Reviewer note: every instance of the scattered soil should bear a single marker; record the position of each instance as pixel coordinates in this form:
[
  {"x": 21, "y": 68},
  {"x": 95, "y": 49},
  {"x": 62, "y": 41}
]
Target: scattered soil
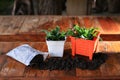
[{"x": 68, "y": 62}]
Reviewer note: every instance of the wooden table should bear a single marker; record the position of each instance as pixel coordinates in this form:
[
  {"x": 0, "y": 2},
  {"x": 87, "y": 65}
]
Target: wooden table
[{"x": 18, "y": 30}]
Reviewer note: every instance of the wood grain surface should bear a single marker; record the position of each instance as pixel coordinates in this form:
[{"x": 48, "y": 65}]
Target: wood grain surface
[{"x": 18, "y": 30}]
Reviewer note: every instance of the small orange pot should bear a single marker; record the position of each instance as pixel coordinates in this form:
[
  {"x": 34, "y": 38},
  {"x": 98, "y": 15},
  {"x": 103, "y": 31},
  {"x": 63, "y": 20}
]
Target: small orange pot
[{"x": 84, "y": 47}]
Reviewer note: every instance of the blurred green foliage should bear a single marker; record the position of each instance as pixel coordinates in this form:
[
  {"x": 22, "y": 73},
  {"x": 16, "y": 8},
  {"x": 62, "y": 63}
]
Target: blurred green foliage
[{"x": 6, "y": 7}]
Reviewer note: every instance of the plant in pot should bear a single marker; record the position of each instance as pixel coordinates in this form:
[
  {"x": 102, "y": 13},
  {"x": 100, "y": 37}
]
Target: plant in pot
[
  {"x": 55, "y": 40},
  {"x": 83, "y": 40}
]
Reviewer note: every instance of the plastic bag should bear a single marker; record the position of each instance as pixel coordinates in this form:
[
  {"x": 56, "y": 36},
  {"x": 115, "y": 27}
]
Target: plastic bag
[{"x": 25, "y": 54}]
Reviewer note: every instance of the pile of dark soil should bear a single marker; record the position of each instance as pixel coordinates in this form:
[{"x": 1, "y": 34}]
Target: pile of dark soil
[{"x": 68, "y": 62}]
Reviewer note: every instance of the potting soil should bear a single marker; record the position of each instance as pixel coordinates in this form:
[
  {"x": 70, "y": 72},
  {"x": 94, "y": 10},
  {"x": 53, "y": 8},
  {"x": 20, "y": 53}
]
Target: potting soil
[{"x": 68, "y": 62}]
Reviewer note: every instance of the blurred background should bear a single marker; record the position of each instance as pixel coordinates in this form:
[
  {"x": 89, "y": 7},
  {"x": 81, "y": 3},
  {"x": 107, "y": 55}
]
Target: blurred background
[{"x": 60, "y": 7}]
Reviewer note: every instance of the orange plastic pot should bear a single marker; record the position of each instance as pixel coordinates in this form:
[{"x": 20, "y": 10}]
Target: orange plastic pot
[{"x": 84, "y": 47}]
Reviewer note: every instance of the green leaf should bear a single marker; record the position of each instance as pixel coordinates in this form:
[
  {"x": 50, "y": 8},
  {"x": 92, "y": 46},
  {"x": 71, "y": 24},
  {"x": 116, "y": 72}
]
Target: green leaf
[
  {"x": 82, "y": 32},
  {"x": 55, "y": 34}
]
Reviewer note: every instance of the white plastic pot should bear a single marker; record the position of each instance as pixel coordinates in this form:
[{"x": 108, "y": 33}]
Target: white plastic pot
[{"x": 55, "y": 48}]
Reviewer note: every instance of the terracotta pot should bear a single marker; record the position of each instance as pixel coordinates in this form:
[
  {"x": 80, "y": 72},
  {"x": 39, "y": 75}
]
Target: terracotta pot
[{"x": 84, "y": 47}]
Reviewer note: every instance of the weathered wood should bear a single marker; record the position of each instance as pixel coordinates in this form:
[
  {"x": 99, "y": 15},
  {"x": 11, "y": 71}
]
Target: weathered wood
[
  {"x": 110, "y": 37},
  {"x": 24, "y": 24},
  {"x": 103, "y": 46},
  {"x": 108, "y": 25},
  {"x": 5, "y": 24},
  {"x": 108, "y": 70},
  {"x": 35, "y": 37},
  {"x": 27, "y": 28},
  {"x": 97, "y": 24},
  {"x": 108, "y": 47},
  {"x": 15, "y": 24},
  {"x": 11, "y": 68},
  {"x": 62, "y": 73},
  {"x": 88, "y": 73},
  {"x": 2, "y": 61},
  {"x": 43, "y": 73},
  {"x": 28, "y": 32},
  {"x": 1, "y": 19},
  {"x": 116, "y": 21},
  {"x": 88, "y": 21},
  {"x": 30, "y": 23}
]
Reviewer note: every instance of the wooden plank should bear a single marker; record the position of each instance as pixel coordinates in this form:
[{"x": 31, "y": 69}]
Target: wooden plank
[
  {"x": 48, "y": 22},
  {"x": 12, "y": 68},
  {"x": 33, "y": 23},
  {"x": 88, "y": 73},
  {"x": 29, "y": 72},
  {"x": 103, "y": 46},
  {"x": 110, "y": 37},
  {"x": 34, "y": 37},
  {"x": 109, "y": 46},
  {"x": 75, "y": 20},
  {"x": 59, "y": 78},
  {"x": 10, "y": 24},
  {"x": 63, "y": 22},
  {"x": 115, "y": 47},
  {"x": 116, "y": 21},
  {"x": 2, "y": 61},
  {"x": 88, "y": 22},
  {"x": 116, "y": 65},
  {"x": 26, "y": 78},
  {"x": 6, "y": 47},
  {"x": 17, "y": 69},
  {"x": 81, "y": 21},
  {"x": 1, "y": 19},
  {"x": 25, "y": 37},
  {"x": 30, "y": 24},
  {"x": 16, "y": 23},
  {"x": 43, "y": 73},
  {"x": 61, "y": 73},
  {"x": 109, "y": 27},
  {"x": 38, "y": 45},
  {"x": 113, "y": 25},
  {"x": 108, "y": 69},
  {"x": 96, "y": 24},
  {"x": 5, "y": 24},
  {"x": 7, "y": 66},
  {"x": 1, "y": 48},
  {"x": 44, "y": 48},
  {"x": 92, "y": 22}
]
